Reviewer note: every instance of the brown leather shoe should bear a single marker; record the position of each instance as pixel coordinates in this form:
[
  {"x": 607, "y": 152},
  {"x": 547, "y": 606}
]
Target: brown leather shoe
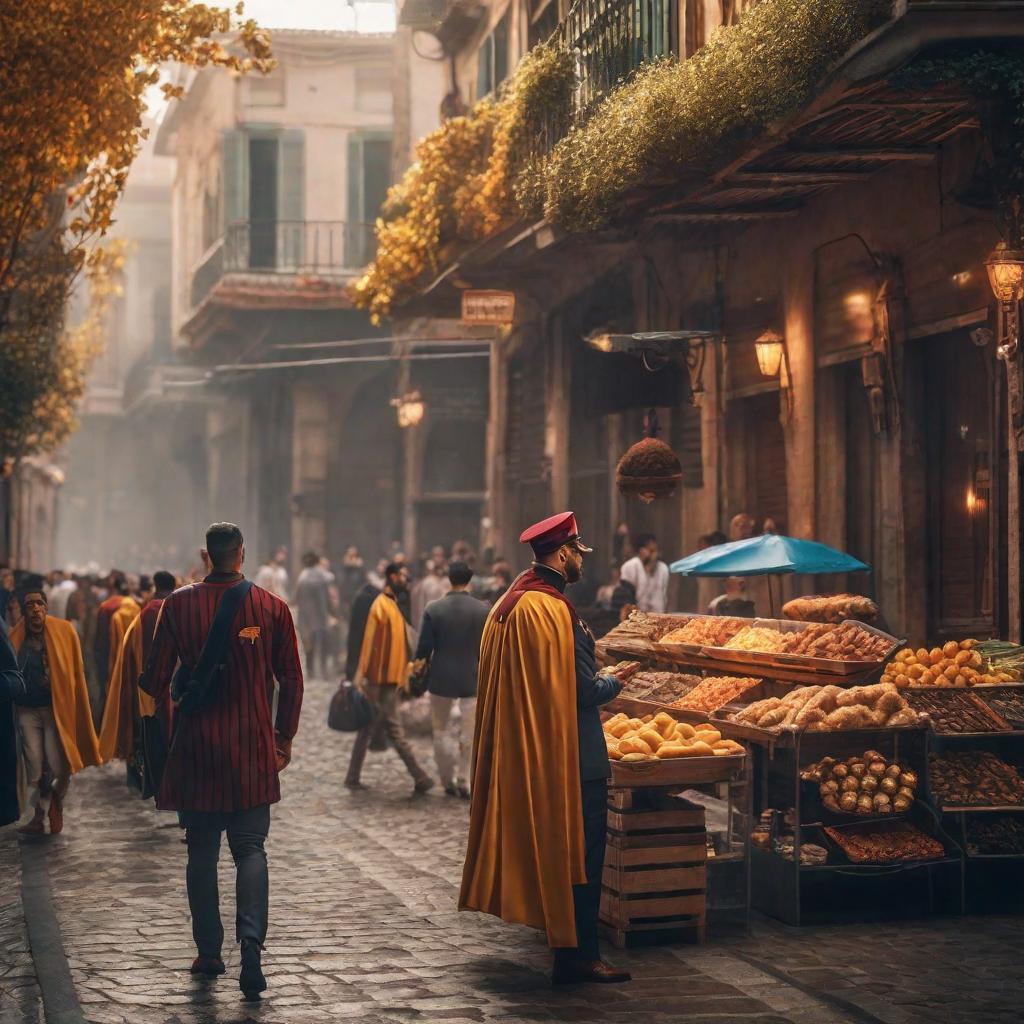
[
  {"x": 581, "y": 972},
  {"x": 208, "y": 965},
  {"x": 35, "y": 826},
  {"x": 56, "y": 815}
]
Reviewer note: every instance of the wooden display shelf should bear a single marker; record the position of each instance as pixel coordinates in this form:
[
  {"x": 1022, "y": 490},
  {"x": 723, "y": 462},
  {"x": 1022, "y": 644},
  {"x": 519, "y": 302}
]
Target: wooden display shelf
[{"x": 676, "y": 771}]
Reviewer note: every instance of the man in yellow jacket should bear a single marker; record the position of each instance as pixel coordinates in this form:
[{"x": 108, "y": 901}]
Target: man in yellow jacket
[
  {"x": 383, "y": 670},
  {"x": 54, "y": 716}
]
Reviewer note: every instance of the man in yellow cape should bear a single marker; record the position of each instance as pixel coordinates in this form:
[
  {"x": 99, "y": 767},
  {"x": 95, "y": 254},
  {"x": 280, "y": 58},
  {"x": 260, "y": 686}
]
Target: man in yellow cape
[
  {"x": 113, "y": 617},
  {"x": 538, "y": 817},
  {"x": 126, "y": 703},
  {"x": 54, "y": 716},
  {"x": 383, "y": 671}
]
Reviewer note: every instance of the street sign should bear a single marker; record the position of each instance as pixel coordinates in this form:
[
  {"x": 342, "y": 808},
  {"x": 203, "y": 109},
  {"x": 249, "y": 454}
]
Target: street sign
[{"x": 488, "y": 307}]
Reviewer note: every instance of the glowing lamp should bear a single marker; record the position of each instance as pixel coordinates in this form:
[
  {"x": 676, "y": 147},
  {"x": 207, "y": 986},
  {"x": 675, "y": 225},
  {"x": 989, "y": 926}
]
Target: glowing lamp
[
  {"x": 410, "y": 409},
  {"x": 769, "y": 349},
  {"x": 1006, "y": 273}
]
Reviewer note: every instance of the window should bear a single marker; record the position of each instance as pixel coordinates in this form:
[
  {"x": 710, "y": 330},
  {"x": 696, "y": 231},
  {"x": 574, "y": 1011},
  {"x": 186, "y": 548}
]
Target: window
[
  {"x": 492, "y": 59},
  {"x": 265, "y": 90},
  {"x": 373, "y": 90}
]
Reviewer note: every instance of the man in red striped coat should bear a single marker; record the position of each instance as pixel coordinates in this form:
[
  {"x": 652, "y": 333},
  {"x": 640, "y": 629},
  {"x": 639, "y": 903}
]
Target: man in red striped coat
[{"x": 224, "y": 759}]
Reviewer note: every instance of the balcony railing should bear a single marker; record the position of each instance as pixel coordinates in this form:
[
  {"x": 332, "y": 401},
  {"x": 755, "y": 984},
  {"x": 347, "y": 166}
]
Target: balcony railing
[
  {"x": 610, "y": 39},
  {"x": 301, "y": 248}
]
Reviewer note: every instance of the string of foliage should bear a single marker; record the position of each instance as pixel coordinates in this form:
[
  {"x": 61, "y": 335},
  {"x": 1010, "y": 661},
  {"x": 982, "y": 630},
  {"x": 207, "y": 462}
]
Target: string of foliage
[
  {"x": 462, "y": 185},
  {"x": 670, "y": 118}
]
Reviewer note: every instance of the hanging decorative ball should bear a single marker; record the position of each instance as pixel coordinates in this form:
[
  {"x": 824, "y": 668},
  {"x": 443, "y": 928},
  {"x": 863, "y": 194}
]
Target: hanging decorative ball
[{"x": 649, "y": 470}]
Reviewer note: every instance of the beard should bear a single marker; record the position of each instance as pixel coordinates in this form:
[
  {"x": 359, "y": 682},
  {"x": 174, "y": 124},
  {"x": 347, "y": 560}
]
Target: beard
[{"x": 574, "y": 571}]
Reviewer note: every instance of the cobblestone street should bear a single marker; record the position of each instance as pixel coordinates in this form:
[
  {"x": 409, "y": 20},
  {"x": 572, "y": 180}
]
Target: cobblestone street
[{"x": 364, "y": 928}]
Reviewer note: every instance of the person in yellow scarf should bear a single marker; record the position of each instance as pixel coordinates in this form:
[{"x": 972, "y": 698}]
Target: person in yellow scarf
[
  {"x": 54, "y": 716},
  {"x": 384, "y": 670},
  {"x": 538, "y": 817},
  {"x": 126, "y": 703}
]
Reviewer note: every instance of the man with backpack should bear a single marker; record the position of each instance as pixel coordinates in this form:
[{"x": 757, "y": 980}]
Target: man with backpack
[{"x": 232, "y": 639}]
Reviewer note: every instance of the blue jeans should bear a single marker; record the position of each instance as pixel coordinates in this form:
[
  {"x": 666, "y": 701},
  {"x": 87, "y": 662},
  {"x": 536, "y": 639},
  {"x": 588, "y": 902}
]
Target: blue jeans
[{"x": 247, "y": 832}]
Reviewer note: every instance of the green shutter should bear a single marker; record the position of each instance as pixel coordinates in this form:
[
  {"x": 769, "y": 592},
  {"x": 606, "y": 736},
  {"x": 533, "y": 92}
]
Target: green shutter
[
  {"x": 293, "y": 245},
  {"x": 235, "y": 173}
]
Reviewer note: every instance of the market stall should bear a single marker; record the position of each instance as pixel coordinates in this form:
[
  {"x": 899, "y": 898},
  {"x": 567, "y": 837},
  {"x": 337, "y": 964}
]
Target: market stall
[{"x": 881, "y": 774}]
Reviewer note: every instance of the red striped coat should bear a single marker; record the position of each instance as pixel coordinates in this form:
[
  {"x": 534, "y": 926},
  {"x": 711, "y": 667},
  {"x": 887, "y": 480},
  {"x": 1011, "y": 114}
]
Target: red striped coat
[{"x": 223, "y": 757}]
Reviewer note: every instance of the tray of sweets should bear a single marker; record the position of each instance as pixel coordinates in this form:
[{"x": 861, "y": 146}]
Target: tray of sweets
[
  {"x": 1007, "y": 704},
  {"x": 884, "y": 842},
  {"x": 1000, "y": 835},
  {"x": 955, "y": 712},
  {"x": 698, "y": 632},
  {"x": 783, "y": 636},
  {"x": 974, "y": 780}
]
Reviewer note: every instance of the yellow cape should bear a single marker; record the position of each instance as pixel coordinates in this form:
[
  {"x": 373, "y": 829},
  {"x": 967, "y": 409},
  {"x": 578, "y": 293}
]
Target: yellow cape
[
  {"x": 384, "y": 656},
  {"x": 119, "y": 623},
  {"x": 71, "y": 709},
  {"x": 117, "y": 733},
  {"x": 525, "y": 850}
]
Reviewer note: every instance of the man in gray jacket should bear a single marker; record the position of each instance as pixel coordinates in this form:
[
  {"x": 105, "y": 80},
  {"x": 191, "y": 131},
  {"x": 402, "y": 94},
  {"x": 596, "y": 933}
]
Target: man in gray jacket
[{"x": 450, "y": 639}]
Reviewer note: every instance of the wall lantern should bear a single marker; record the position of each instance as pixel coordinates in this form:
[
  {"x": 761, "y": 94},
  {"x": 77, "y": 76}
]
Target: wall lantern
[
  {"x": 410, "y": 408},
  {"x": 770, "y": 348},
  {"x": 1005, "y": 268}
]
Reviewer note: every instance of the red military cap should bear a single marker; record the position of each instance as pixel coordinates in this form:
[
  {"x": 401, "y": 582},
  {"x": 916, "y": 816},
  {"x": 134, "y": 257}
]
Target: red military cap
[{"x": 550, "y": 534}]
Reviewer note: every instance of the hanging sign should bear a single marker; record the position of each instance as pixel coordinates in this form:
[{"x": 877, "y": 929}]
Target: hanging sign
[{"x": 488, "y": 307}]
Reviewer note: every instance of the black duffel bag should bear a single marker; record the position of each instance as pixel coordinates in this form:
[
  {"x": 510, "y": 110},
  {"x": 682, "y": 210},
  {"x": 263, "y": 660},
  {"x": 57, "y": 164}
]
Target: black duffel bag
[{"x": 349, "y": 710}]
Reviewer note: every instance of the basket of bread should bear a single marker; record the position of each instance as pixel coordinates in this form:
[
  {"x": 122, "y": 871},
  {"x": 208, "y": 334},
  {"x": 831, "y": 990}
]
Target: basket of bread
[
  {"x": 831, "y": 709},
  {"x": 656, "y": 746}
]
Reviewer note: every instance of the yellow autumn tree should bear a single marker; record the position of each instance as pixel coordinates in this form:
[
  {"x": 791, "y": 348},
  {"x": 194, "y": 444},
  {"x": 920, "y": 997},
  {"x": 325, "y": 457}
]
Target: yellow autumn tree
[{"x": 73, "y": 79}]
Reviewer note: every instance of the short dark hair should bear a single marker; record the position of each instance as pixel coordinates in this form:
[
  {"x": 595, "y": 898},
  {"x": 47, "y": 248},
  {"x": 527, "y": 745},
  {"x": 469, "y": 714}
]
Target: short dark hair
[
  {"x": 713, "y": 539},
  {"x": 118, "y": 581},
  {"x": 394, "y": 568},
  {"x": 164, "y": 581},
  {"x": 145, "y": 583},
  {"x": 459, "y": 574},
  {"x": 310, "y": 558},
  {"x": 643, "y": 539},
  {"x": 223, "y": 542},
  {"x": 28, "y": 590}
]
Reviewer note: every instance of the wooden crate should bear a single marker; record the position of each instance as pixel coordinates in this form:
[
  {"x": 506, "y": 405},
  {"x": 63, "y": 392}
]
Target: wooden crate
[{"x": 654, "y": 886}]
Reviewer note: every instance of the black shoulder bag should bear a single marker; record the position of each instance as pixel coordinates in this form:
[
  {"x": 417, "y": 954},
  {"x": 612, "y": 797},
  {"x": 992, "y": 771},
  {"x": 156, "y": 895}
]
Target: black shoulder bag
[
  {"x": 190, "y": 689},
  {"x": 193, "y": 688}
]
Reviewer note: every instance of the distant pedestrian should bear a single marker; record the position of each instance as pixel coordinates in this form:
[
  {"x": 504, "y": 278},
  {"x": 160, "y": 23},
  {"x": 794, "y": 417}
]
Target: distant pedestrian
[
  {"x": 54, "y": 717},
  {"x": 272, "y": 575},
  {"x": 383, "y": 670},
  {"x": 432, "y": 587},
  {"x": 450, "y": 643},
  {"x": 648, "y": 575},
  {"x": 312, "y": 601},
  {"x": 227, "y": 752}
]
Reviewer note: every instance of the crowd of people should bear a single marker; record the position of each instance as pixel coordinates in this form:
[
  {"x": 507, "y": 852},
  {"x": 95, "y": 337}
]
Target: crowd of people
[{"x": 170, "y": 674}]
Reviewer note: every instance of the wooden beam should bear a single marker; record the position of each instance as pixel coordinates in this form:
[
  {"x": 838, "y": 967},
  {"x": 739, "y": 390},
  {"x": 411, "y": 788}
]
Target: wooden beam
[
  {"x": 865, "y": 152},
  {"x": 696, "y": 216},
  {"x": 788, "y": 178}
]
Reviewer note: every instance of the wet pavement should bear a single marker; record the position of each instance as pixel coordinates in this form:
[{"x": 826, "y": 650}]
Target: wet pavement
[{"x": 364, "y": 928}]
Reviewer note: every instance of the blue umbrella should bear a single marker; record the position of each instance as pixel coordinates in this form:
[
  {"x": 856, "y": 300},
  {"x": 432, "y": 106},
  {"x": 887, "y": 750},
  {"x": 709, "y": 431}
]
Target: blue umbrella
[{"x": 766, "y": 555}]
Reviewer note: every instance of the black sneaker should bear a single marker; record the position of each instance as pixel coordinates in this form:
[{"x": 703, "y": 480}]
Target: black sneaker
[
  {"x": 451, "y": 790},
  {"x": 464, "y": 792},
  {"x": 251, "y": 980}
]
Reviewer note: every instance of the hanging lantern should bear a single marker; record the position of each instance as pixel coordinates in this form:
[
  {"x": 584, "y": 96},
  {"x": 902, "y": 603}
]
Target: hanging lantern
[
  {"x": 410, "y": 409},
  {"x": 769, "y": 349},
  {"x": 649, "y": 470},
  {"x": 1006, "y": 273}
]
